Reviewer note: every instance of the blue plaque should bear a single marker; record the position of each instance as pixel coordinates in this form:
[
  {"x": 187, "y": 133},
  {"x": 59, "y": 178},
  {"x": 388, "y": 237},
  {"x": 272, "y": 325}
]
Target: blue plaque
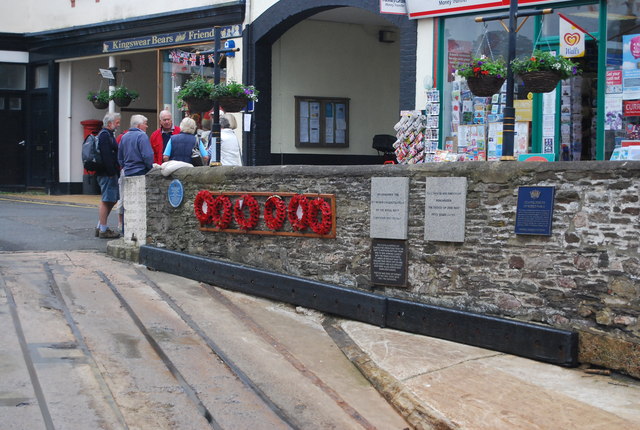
[
  {"x": 534, "y": 213},
  {"x": 175, "y": 193}
]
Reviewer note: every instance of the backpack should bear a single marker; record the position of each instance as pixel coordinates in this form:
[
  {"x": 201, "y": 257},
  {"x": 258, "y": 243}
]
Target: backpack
[{"x": 91, "y": 157}]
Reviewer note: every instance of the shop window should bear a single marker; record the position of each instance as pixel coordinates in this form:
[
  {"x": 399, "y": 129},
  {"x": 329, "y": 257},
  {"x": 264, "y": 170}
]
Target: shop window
[
  {"x": 178, "y": 64},
  {"x": 13, "y": 77},
  {"x": 474, "y": 123},
  {"x": 322, "y": 122},
  {"x": 41, "y": 77},
  {"x": 562, "y": 122},
  {"x": 622, "y": 94}
]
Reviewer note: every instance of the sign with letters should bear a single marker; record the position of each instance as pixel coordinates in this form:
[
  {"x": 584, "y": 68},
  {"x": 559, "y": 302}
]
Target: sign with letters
[
  {"x": 169, "y": 39},
  {"x": 429, "y": 8},
  {"x": 534, "y": 213}
]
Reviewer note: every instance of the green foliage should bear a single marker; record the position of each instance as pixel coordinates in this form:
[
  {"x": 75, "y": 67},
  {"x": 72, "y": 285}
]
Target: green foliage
[
  {"x": 98, "y": 96},
  {"x": 483, "y": 66},
  {"x": 541, "y": 60},
  {"x": 234, "y": 89},
  {"x": 124, "y": 93},
  {"x": 197, "y": 87}
]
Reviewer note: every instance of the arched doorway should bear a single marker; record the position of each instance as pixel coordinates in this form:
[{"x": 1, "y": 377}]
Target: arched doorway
[{"x": 332, "y": 49}]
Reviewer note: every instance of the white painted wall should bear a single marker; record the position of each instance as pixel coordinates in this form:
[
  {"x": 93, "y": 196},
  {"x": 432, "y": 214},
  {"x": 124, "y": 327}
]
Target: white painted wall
[
  {"x": 327, "y": 59},
  {"x": 41, "y": 15},
  {"x": 425, "y": 57},
  {"x": 79, "y": 77}
]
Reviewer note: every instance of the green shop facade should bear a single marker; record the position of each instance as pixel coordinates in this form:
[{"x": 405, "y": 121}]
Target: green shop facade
[{"x": 585, "y": 118}]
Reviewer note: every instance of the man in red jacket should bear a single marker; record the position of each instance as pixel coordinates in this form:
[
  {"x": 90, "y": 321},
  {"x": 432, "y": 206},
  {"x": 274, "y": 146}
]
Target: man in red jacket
[{"x": 161, "y": 136}]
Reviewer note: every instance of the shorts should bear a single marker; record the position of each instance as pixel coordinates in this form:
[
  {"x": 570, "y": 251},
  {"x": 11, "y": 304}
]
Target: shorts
[{"x": 109, "y": 188}]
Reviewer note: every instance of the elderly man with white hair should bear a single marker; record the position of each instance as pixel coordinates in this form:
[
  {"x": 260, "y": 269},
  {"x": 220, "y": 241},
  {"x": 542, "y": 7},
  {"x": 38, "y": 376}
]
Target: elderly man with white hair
[{"x": 135, "y": 154}]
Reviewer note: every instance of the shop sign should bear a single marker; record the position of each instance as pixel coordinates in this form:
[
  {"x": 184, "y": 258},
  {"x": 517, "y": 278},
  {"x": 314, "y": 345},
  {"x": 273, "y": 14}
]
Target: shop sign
[
  {"x": 395, "y": 7},
  {"x": 631, "y": 107},
  {"x": 168, "y": 39},
  {"x": 571, "y": 39},
  {"x": 429, "y": 8}
]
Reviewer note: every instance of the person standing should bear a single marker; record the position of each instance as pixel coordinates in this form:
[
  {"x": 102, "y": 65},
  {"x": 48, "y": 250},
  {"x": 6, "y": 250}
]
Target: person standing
[
  {"x": 135, "y": 154},
  {"x": 230, "y": 152},
  {"x": 161, "y": 136},
  {"x": 180, "y": 146},
  {"x": 107, "y": 174}
]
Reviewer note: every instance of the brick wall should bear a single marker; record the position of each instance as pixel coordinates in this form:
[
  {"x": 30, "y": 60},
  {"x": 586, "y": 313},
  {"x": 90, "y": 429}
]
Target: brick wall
[{"x": 584, "y": 277}]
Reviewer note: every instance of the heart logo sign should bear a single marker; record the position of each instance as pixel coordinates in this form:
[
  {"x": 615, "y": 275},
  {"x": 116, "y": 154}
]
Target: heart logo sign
[{"x": 572, "y": 38}]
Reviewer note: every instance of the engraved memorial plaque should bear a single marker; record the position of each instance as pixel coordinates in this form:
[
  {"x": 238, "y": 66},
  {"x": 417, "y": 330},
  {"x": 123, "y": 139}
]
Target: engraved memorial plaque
[
  {"x": 135, "y": 209},
  {"x": 389, "y": 262},
  {"x": 445, "y": 208},
  {"x": 389, "y": 208}
]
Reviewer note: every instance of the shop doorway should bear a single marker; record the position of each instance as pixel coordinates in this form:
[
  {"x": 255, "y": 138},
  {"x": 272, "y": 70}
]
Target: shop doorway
[
  {"x": 13, "y": 173},
  {"x": 40, "y": 142}
]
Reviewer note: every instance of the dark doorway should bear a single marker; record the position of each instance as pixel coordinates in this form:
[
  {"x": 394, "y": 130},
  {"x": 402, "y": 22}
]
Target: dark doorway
[
  {"x": 13, "y": 145},
  {"x": 40, "y": 142}
]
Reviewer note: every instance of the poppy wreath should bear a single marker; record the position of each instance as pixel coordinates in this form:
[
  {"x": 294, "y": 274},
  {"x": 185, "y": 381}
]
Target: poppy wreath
[
  {"x": 274, "y": 221},
  {"x": 254, "y": 212},
  {"x": 298, "y": 200},
  {"x": 203, "y": 198},
  {"x": 221, "y": 220},
  {"x": 316, "y": 206}
]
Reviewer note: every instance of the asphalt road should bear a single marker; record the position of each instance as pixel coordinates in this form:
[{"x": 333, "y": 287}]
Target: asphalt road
[{"x": 48, "y": 226}]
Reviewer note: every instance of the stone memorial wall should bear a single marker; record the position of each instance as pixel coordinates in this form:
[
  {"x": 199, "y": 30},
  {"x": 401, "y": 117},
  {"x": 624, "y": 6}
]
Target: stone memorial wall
[{"x": 585, "y": 276}]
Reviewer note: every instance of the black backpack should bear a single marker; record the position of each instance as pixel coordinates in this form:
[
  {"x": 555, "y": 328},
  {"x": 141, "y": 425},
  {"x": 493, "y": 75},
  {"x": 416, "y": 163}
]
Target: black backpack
[{"x": 91, "y": 157}]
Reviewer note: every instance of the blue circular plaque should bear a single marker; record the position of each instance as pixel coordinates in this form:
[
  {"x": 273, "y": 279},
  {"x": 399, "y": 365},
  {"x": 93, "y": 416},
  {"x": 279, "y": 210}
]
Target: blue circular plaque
[{"x": 175, "y": 193}]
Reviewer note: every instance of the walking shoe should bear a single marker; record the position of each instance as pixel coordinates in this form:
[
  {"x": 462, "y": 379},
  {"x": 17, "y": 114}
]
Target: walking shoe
[
  {"x": 97, "y": 232},
  {"x": 109, "y": 234}
]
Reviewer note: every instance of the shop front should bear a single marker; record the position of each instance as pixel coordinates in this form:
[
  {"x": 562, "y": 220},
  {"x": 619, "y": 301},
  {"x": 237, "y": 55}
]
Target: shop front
[
  {"x": 45, "y": 92},
  {"x": 583, "y": 117}
]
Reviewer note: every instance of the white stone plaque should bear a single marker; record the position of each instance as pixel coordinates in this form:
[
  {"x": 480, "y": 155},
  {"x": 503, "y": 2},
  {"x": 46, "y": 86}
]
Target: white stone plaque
[
  {"x": 389, "y": 208},
  {"x": 445, "y": 208},
  {"x": 135, "y": 210}
]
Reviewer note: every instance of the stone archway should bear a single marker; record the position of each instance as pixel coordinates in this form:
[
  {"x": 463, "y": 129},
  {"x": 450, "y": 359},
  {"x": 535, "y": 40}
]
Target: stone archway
[{"x": 277, "y": 20}]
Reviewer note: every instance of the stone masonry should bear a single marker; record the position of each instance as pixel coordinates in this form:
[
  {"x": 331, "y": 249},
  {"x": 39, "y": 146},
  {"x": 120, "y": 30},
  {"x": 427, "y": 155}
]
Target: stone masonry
[{"x": 584, "y": 277}]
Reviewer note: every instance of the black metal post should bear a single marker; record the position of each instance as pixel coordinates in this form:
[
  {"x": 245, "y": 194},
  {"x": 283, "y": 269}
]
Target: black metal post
[
  {"x": 215, "y": 126},
  {"x": 509, "y": 121}
]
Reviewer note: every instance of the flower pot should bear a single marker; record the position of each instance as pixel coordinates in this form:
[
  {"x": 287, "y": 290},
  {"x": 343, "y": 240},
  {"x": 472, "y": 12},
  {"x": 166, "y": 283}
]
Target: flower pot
[
  {"x": 485, "y": 86},
  {"x": 122, "y": 101},
  {"x": 198, "y": 105},
  {"x": 100, "y": 104},
  {"x": 542, "y": 81},
  {"x": 232, "y": 104}
]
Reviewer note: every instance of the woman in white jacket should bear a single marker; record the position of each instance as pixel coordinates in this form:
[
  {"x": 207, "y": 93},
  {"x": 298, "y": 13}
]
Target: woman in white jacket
[{"x": 230, "y": 151}]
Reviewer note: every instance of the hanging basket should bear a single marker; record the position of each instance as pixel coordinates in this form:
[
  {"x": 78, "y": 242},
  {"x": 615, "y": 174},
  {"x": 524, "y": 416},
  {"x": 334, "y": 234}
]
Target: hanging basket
[
  {"x": 232, "y": 104},
  {"x": 542, "y": 81},
  {"x": 100, "y": 104},
  {"x": 485, "y": 86},
  {"x": 199, "y": 105},
  {"x": 122, "y": 101}
]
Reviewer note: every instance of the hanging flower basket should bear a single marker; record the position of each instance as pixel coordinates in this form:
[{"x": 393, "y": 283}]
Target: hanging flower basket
[
  {"x": 485, "y": 85},
  {"x": 198, "y": 104},
  {"x": 122, "y": 101},
  {"x": 100, "y": 104},
  {"x": 232, "y": 104},
  {"x": 542, "y": 81}
]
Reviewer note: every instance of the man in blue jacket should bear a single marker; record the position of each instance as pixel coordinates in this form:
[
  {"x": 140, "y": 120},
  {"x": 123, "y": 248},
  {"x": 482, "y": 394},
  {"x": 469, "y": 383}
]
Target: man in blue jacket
[
  {"x": 135, "y": 154},
  {"x": 107, "y": 174}
]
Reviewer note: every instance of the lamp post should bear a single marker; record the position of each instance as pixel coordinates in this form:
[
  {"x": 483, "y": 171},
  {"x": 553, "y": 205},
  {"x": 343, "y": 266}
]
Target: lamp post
[
  {"x": 509, "y": 121},
  {"x": 217, "y": 50}
]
